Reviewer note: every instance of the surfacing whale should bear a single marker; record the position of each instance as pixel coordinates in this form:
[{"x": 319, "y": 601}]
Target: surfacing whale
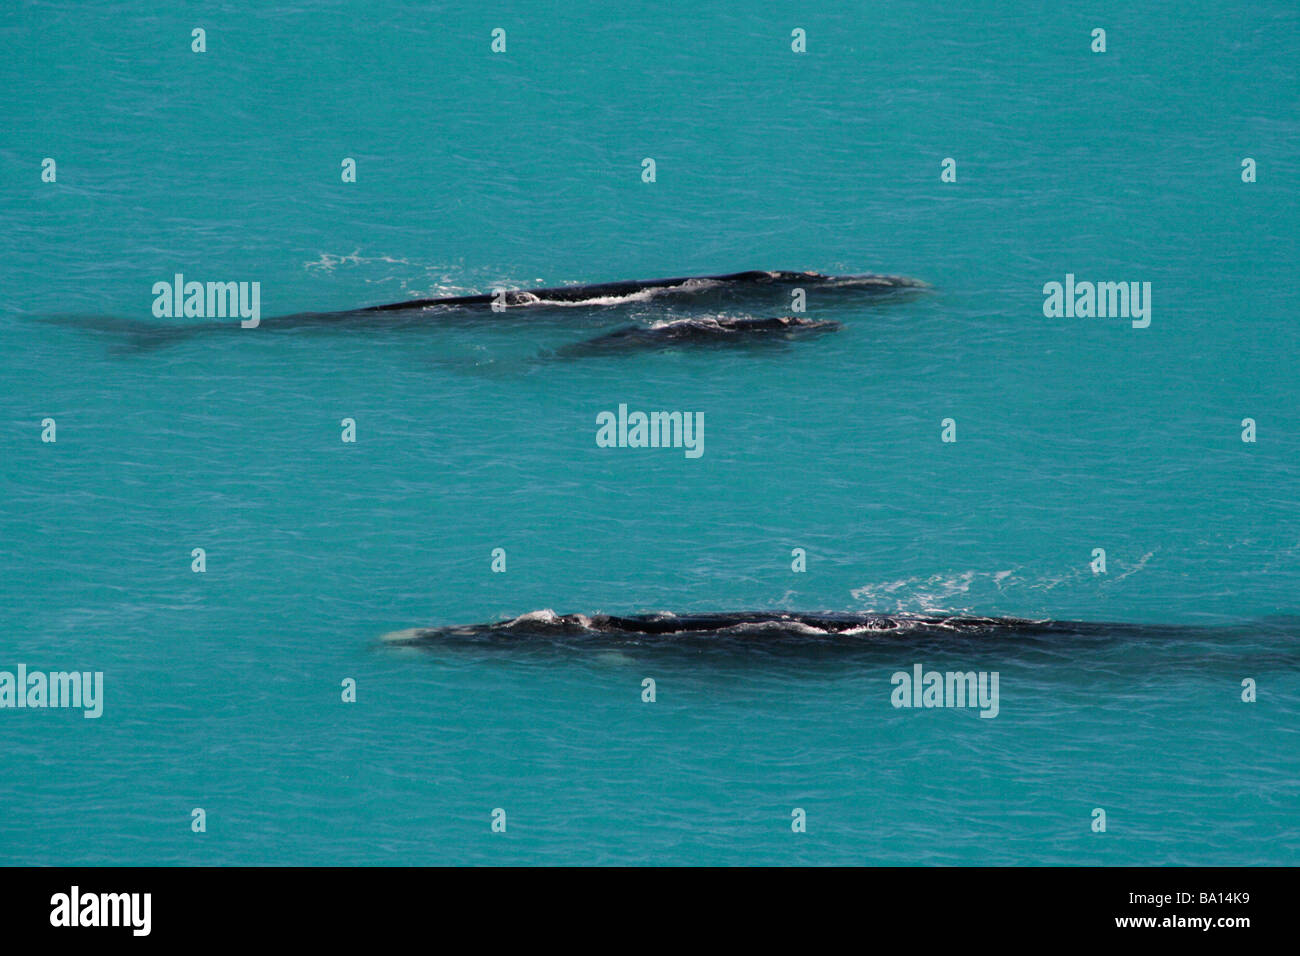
[
  {"x": 707, "y": 331},
  {"x": 832, "y": 639},
  {"x": 756, "y": 626},
  {"x": 709, "y": 291},
  {"x": 730, "y": 286}
]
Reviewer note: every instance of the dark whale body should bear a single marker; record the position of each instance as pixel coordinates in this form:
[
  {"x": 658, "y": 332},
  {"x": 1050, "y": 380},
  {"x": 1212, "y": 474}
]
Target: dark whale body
[
  {"x": 703, "y": 331},
  {"x": 739, "y": 626},
  {"x": 733, "y": 285},
  {"x": 826, "y": 642}
]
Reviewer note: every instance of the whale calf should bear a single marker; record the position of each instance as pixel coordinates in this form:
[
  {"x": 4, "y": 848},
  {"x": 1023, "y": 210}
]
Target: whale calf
[{"x": 706, "y": 331}]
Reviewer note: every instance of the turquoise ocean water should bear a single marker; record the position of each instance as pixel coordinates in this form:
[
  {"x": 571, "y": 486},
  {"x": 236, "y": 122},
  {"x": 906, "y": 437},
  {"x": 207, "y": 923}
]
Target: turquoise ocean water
[{"x": 475, "y": 170}]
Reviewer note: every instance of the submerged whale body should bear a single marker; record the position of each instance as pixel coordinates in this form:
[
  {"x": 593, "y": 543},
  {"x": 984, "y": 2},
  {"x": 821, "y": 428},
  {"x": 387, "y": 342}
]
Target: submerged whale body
[
  {"x": 731, "y": 285},
  {"x": 747, "y": 625},
  {"x": 702, "y": 331}
]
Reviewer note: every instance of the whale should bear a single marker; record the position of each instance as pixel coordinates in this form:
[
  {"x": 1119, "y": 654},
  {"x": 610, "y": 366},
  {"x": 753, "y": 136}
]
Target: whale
[
  {"x": 695, "y": 292},
  {"x": 826, "y": 641},
  {"x": 706, "y": 331},
  {"x": 735, "y": 626},
  {"x": 730, "y": 286}
]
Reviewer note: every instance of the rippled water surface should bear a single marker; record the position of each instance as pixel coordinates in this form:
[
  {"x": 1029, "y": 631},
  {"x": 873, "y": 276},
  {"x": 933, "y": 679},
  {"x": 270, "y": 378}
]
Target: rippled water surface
[{"x": 478, "y": 170}]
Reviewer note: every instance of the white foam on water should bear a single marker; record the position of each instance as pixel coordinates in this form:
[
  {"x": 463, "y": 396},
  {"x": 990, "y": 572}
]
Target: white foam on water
[
  {"x": 783, "y": 626},
  {"x": 406, "y": 634},
  {"x": 933, "y": 594},
  {"x": 640, "y": 295},
  {"x": 544, "y": 616}
]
